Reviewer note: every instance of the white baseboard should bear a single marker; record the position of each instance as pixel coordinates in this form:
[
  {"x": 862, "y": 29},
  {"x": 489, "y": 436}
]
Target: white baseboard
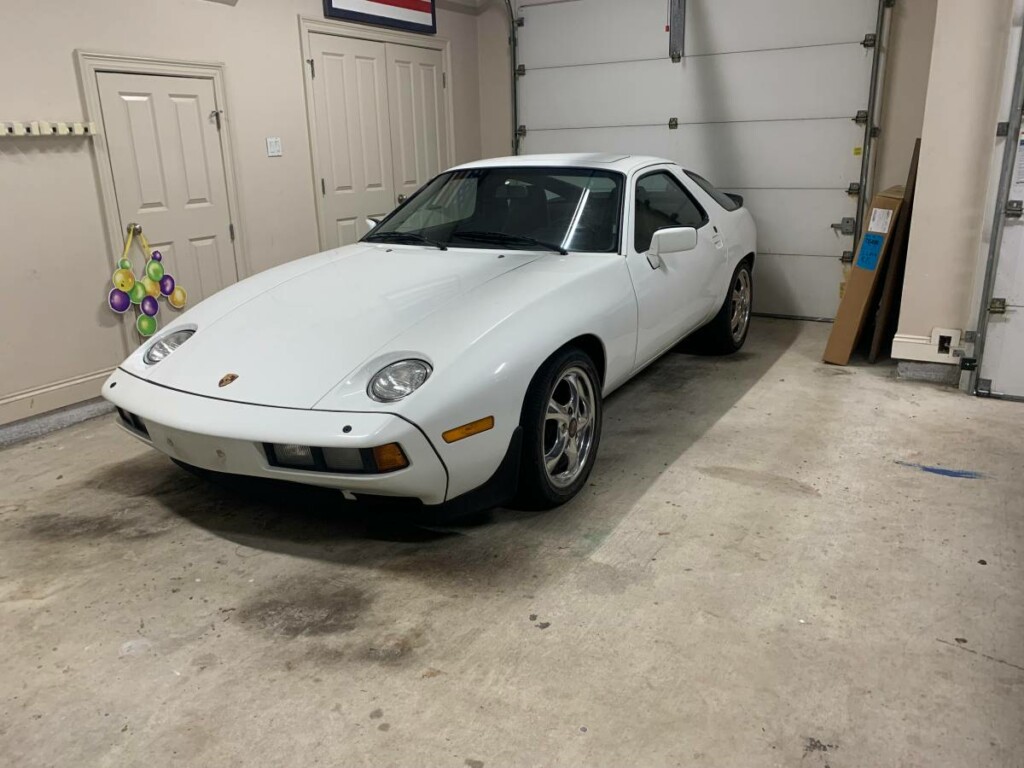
[
  {"x": 59, "y": 394},
  {"x": 925, "y": 349}
]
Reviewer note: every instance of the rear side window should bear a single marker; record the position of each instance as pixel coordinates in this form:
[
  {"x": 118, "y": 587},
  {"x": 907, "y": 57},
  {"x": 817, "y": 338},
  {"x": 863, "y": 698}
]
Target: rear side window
[
  {"x": 662, "y": 202},
  {"x": 716, "y": 194}
]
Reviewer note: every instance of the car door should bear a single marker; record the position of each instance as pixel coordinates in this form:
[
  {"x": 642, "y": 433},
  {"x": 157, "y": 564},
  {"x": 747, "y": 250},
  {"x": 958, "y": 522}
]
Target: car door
[{"x": 675, "y": 292}]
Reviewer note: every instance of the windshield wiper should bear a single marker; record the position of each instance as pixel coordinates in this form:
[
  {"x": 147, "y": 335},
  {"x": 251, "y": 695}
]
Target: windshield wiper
[
  {"x": 508, "y": 239},
  {"x": 403, "y": 237}
]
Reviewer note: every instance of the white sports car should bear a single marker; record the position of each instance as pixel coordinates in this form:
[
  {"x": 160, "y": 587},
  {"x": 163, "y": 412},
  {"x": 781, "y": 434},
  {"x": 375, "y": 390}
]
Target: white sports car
[{"x": 457, "y": 356}]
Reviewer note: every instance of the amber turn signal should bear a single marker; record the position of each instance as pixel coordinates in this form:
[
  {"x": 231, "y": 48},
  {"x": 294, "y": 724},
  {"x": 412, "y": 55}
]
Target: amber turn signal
[
  {"x": 389, "y": 457},
  {"x": 468, "y": 430}
]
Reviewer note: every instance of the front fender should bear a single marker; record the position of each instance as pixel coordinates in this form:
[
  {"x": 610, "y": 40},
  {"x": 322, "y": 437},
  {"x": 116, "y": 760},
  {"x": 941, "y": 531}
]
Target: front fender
[{"x": 487, "y": 346}]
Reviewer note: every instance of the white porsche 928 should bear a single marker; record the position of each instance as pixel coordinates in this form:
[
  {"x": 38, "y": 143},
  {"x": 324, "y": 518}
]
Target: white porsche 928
[{"x": 457, "y": 356}]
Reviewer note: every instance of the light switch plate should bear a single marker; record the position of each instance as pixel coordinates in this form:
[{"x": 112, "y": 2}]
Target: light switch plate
[{"x": 274, "y": 146}]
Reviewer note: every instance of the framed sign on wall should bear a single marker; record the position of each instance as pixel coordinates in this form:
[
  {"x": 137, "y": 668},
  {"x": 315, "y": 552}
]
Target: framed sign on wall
[{"x": 412, "y": 15}]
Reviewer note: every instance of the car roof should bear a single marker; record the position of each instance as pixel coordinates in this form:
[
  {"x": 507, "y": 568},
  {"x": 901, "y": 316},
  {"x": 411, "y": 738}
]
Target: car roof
[{"x": 611, "y": 162}]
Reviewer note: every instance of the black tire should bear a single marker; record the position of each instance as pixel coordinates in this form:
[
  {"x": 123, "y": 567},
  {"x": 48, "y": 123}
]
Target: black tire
[
  {"x": 718, "y": 337},
  {"x": 538, "y": 489}
]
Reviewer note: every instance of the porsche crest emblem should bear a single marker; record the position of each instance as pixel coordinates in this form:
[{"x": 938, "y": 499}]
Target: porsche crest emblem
[{"x": 226, "y": 379}]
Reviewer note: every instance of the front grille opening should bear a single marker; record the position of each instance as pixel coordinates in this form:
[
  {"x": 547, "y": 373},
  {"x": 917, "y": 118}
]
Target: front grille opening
[{"x": 133, "y": 422}]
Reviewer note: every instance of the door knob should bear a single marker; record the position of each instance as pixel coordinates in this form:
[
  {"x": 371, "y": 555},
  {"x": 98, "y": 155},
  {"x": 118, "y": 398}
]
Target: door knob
[{"x": 401, "y": 199}]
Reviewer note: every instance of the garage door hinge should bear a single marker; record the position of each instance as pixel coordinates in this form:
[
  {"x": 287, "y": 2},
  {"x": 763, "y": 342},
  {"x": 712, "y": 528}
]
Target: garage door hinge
[
  {"x": 889, "y": 3},
  {"x": 312, "y": 67},
  {"x": 673, "y": 123},
  {"x": 861, "y": 117},
  {"x": 997, "y": 307},
  {"x": 847, "y": 257},
  {"x": 984, "y": 388},
  {"x": 521, "y": 131},
  {"x": 854, "y": 188},
  {"x": 1014, "y": 208},
  {"x": 870, "y": 40},
  {"x": 521, "y": 70},
  {"x": 1002, "y": 129},
  {"x": 876, "y": 132},
  {"x": 231, "y": 232},
  {"x": 847, "y": 226},
  {"x": 521, "y": 22}
]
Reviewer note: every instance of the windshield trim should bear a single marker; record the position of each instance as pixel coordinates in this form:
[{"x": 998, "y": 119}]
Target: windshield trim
[{"x": 555, "y": 168}]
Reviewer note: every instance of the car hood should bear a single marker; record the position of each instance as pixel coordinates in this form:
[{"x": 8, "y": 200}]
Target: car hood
[{"x": 295, "y": 338}]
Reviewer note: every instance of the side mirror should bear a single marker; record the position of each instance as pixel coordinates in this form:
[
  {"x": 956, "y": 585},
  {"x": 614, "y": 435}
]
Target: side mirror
[
  {"x": 371, "y": 223},
  {"x": 738, "y": 199},
  {"x": 673, "y": 240}
]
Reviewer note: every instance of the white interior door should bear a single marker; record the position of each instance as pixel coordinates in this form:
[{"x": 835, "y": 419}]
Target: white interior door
[
  {"x": 419, "y": 120},
  {"x": 165, "y": 155},
  {"x": 353, "y": 136},
  {"x": 764, "y": 99}
]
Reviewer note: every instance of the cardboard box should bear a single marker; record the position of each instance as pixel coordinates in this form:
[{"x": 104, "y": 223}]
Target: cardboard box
[{"x": 868, "y": 265}]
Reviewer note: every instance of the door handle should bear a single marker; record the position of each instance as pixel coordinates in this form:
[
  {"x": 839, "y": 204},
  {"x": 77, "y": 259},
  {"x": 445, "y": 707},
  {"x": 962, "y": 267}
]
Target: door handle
[{"x": 401, "y": 199}]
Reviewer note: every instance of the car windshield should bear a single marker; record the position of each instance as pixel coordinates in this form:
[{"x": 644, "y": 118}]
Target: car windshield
[{"x": 558, "y": 209}]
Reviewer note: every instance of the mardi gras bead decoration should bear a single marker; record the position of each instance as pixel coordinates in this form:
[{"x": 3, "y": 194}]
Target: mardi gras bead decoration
[{"x": 145, "y": 290}]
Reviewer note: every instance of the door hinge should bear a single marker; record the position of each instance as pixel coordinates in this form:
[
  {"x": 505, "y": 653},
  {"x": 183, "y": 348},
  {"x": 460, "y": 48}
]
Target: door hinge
[
  {"x": 323, "y": 187},
  {"x": 521, "y": 70},
  {"x": 983, "y": 388},
  {"x": 215, "y": 116},
  {"x": 997, "y": 306},
  {"x": 444, "y": 79},
  {"x": 231, "y": 232},
  {"x": 870, "y": 40},
  {"x": 312, "y": 67},
  {"x": 1014, "y": 208},
  {"x": 861, "y": 117},
  {"x": 889, "y": 3},
  {"x": 521, "y": 22},
  {"x": 1002, "y": 129},
  {"x": 673, "y": 123},
  {"x": 854, "y": 188},
  {"x": 847, "y": 226},
  {"x": 521, "y": 131},
  {"x": 847, "y": 257}
]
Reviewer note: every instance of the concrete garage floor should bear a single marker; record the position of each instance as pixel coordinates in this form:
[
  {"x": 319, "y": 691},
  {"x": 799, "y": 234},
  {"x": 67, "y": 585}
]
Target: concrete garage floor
[{"x": 753, "y": 578}]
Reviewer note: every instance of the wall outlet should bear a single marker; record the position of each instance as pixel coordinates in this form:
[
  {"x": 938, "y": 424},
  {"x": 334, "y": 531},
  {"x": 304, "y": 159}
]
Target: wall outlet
[
  {"x": 945, "y": 340},
  {"x": 274, "y": 146}
]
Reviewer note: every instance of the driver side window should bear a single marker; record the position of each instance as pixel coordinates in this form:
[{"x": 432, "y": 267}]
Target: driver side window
[{"x": 662, "y": 202}]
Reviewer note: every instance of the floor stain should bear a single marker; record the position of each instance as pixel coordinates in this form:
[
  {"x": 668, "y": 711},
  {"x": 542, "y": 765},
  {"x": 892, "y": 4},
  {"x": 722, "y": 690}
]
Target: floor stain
[
  {"x": 812, "y": 744},
  {"x": 298, "y": 608},
  {"x": 56, "y": 527},
  {"x": 761, "y": 480},
  {"x": 963, "y": 474}
]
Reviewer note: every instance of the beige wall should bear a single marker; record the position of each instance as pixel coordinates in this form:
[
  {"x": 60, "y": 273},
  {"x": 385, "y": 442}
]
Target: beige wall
[
  {"x": 908, "y": 58},
  {"x": 495, "y": 80},
  {"x": 55, "y": 260},
  {"x": 965, "y": 77}
]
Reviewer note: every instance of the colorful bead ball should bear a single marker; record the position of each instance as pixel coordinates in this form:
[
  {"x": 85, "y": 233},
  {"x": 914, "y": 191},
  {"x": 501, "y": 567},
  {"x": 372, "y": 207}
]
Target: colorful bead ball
[
  {"x": 137, "y": 293},
  {"x": 178, "y": 297},
  {"x": 152, "y": 286},
  {"x": 119, "y": 300},
  {"x": 154, "y": 270},
  {"x": 166, "y": 284},
  {"x": 124, "y": 264},
  {"x": 146, "y": 325},
  {"x": 156, "y": 256},
  {"x": 149, "y": 306},
  {"x": 123, "y": 280}
]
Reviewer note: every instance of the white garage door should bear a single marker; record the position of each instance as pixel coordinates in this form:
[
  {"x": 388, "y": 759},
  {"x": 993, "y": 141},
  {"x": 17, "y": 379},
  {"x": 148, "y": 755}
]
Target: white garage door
[{"x": 765, "y": 98}]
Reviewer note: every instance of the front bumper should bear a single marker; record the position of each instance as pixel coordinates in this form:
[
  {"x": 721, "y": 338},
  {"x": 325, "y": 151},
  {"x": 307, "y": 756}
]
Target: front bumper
[{"x": 225, "y": 436}]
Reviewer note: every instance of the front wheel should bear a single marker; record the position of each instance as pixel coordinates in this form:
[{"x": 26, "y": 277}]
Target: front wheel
[{"x": 561, "y": 430}]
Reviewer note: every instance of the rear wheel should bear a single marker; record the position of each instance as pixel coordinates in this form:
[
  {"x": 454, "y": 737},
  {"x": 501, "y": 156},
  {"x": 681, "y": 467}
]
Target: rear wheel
[
  {"x": 561, "y": 430},
  {"x": 727, "y": 332}
]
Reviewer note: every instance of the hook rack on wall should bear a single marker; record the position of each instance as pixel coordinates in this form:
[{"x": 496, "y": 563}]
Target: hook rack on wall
[{"x": 46, "y": 128}]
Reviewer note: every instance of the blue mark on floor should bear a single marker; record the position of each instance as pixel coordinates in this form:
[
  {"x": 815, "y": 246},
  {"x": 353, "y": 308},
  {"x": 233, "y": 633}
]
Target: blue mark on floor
[{"x": 968, "y": 474}]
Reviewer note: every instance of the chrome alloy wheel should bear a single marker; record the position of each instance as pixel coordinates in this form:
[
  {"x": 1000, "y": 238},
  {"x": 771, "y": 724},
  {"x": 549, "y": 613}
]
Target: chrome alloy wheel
[
  {"x": 740, "y": 315},
  {"x": 568, "y": 432}
]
